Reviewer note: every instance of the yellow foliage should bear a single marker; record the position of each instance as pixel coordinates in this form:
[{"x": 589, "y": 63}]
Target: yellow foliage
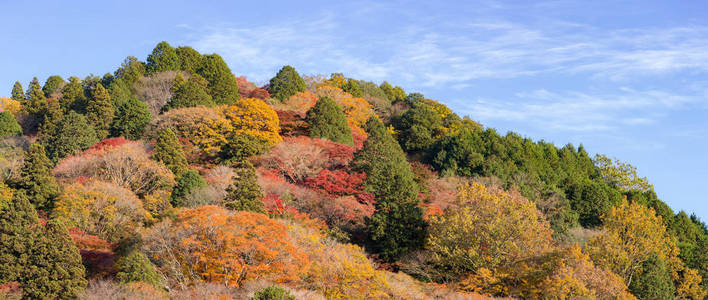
[
  {"x": 8, "y": 104},
  {"x": 156, "y": 204},
  {"x": 254, "y": 117},
  {"x": 357, "y": 110},
  {"x": 690, "y": 285}
]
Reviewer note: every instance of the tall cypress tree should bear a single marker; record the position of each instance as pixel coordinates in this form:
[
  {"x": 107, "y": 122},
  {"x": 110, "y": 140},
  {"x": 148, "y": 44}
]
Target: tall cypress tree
[
  {"x": 18, "y": 94},
  {"x": 37, "y": 180},
  {"x": 51, "y": 122},
  {"x": 63, "y": 267},
  {"x": 222, "y": 83},
  {"x": 169, "y": 151},
  {"x": 187, "y": 183},
  {"x": 52, "y": 85},
  {"x": 73, "y": 96},
  {"x": 19, "y": 227},
  {"x": 327, "y": 120},
  {"x": 74, "y": 134},
  {"x": 35, "y": 103},
  {"x": 286, "y": 83},
  {"x": 189, "y": 59},
  {"x": 100, "y": 112},
  {"x": 245, "y": 193},
  {"x": 8, "y": 125},
  {"x": 192, "y": 93},
  {"x": 131, "y": 118},
  {"x": 397, "y": 225},
  {"x": 162, "y": 58}
]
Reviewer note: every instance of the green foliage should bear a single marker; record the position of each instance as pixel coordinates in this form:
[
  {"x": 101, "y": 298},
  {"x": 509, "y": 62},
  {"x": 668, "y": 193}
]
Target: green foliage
[
  {"x": 189, "y": 59},
  {"x": 8, "y": 125},
  {"x": 620, "y": 174},
  {"x": 352, "y": 87},
  {"x": 37, "y": 180},
  {"x": 50, "y": 125},
  {"x": 19, "y": 226},
  {"x": 245, "y": 193},
  {"x": 136, "y": 267},
  {"x": 654, "y": 282},
  {"x": 169, "y": 151},
  {"x": 100, "y": 111},
  {"x": 53, "y": 85},
  {"x": 18, "y": 94},
  {"x": 130, "y": 71},
  {"x": 418, "y": 127},
  {"x": 65, "y": 272},
  {"x": 74, "y": 134},
  {"x": 591, "y": 199},
  {"x": 192, "y": 93},
  {"x": 393, "y": 93},
  {"x": 221, "y": 82},
  {"x": 131, "y": 117},
  {"x": 286, "y": 83},
  {"x": 327, "y": 120},
  {"x": 73, "y": 96},
  {"x": 120, "y": 92},
  {"x": 187, "y": 183},
  {"x": 397, "y": 226},
  {"x": 239, "y": 147},
  {"x": 36, "y": 103},
  {"x": 273, "y": 293},
  {"x": 162, "y": 58}
]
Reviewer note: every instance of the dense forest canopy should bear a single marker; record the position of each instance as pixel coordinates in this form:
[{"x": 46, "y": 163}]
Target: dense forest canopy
[{"x": 175, "y": 178}]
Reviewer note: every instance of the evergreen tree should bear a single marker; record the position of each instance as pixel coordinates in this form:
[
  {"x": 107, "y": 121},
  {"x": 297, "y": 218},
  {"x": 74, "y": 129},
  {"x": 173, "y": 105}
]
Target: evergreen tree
[
  {"x": 418, "y": 127},
  {"x": 51, "y": 123},
  {"x": 37, "y": 180},
  {"x": 177, "y": 83},
  {"x": 74, "y": 134},
  {"x": 238, "y": 147},
  {"x": 64, "y": 270},
  {"x": 352, "y": 87},
  {"x": 393, "y": 93},
  {"x": 120, "y": 92},
  {"x": 162, "y": 58},
  {"x": 187, "y": 183},
  {"x": 52, "y": 85},
  {"x": 221, "y": 82},
  {"x": 131, "y": 118},
  {"x": 100, "y": 112},
  {"x": 273, "y": 293},
  {"x": 192, "y": 93},
  {"x": 136, "y": 267},
  {"x": 327, "y": 120},
  {"x": 286, "y": 83},
  {"x": 18, "y": 94},
  {"x": 73, "y": 96},
  {"x": 169, "y": 151},
  {"x": 397, "y": 226},
  {"x": 654, "y": 282},
  {"x": 189, "y": 59},
  {"x": 245, "y": 193},
  {"x": 130, "y": 71},
  {"x": 19, "y": 228},
  {"x": 8, "y": 125},
  {"x": 36, "y": 103}
]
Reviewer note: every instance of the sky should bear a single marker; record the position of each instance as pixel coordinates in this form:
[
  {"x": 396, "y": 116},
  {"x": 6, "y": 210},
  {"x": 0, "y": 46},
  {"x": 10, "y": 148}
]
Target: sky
[{"x": 627, "y": 79}]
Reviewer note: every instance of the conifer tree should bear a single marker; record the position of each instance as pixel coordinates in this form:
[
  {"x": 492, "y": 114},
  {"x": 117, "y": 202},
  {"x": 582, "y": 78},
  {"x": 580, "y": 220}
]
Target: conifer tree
[
  {"x": 245, "y": 193},
  {"x": 654, "y": 282},
  {"x": 37, "y": 180},
  {"x": 192, "y": 93},
  {"x": 52, "y": 85},
  {"x": 130, "y": 71},
  {"x": 8, "y": 125},
  {"x": 168, "y": 150},
  {"x": 19, "y": 226},
  {"x": 327, "y": 120},
  {"x": 178, "y": 82},
  {"x": 51, "y": 123},
  {"x": 36, "y": 103},
  {"x": 286, "y": 83},
  {"x": 162, "y": 58},
  {"x": 397, "y": 226},
  {"x": 64, "y": 269},
  {"x": 136, "y": 267},
  {"x": 100, "y": 112},
  {"x": 18, "y": 94},
  {"x": 187, "y": 183},
  {"x": 131, "y": 118},
  {"x": 74, "y": 134},
  {"x": 189, "y": 59},
  {"x": 73, "y": 96},
  {"x": 352, "y": 87},
  {"x": 221, "y": 82}
]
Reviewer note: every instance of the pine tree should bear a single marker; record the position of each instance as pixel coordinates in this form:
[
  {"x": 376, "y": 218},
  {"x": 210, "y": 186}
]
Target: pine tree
[
  {"x": 100, "y": 112},
  {"x": 286, "y": 83},
  {"x": 222, "y": 83},
  {"x": 74, "y": 134},
  {"x": 131, "y": 118},
  {"x": 18, "y": 94},
  {"x": 169, "y": 151},
  {"x": 162, "y": 58},
  {"x": 245, "y": 193},
  {"x": 189, "y": 59},
  {"x": 52, "y": 85},
  {"x": 35, "y": 103},
  {"x": 37, "y": 180},
  {"x": 64, "y": 269},
  {"x": 327, "y": 120},
  {"x": 73, "y": 96},
  {"x": 8, "y": 125},
  {"x": 192, "y": 93},
  {"x": 397, "y": 226},
  {"x": 187, "y": 183},
  {"x": 51, "y": 123}
]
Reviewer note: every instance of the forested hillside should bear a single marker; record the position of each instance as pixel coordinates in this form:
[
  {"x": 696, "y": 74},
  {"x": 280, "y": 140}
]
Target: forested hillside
[{"x": 176, "y": 177}]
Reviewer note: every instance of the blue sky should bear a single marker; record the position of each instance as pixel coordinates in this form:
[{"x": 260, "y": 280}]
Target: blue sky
[{"x": 624, "y": 78}]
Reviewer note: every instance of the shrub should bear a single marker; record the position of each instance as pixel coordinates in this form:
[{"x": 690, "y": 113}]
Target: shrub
[
  {"x": 136, "y": 267},
  {"x": 273, "y": 293}
]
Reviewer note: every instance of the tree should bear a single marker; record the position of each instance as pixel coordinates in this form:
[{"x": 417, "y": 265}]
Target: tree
[
  {"x": 620, "y": 174},
  {"x": 130, "y": 71},
  {"x": 53, "y": 85},
  {"x": 189, "y": 59},
  {"x": 245, "y": 193},
  {"x": 273, "y": 293},
  {"x": 352, "y": 87},
  {"x": 654, "y": 282},
  {"x": 397, "y": 226},
  {"x": 130, "y": 120},
  {"x": 37, "y": 180},
  {"x": 192, "y": 93},
  {"x": 65, "y": 278},
  {"x": 162, "y": 58},
  {"x": 327, "y": 120},
  {"x": 19, "y": 227},
  {"x": 286, "y": 83},
  {"x": 8, "y": 125},
  {"x": 419, "y": 127},
  {"x": 73, "y": 96},
  {"x": 18, "y": 94},
  {"x": 393, "y": 93},
  {"x": 169, "y": 151},
  {"x": 74, "y": 134},
  {"x": 100, "y": 111},
  {"x": 187, "y": 183},
  {"x": 221, "y": 82},
  {"x": 136, "y": 267},
  {"x": 254, "y": 117},
  {"x": 54, "y": 115},
  {"x": 36, "y": 103},
  {"x": 239, "y": 147}
]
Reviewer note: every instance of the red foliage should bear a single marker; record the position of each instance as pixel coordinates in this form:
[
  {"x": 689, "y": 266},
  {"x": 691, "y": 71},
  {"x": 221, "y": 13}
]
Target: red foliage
[
  {"x": 108, "y": 143},
  {"x": 291, "y": 123},
  {"x": 11, "y": 290},
  {"x": 249, "y": 90},
  {"x": 340, "y": 183},
  {"x": 97, "y": 254},
  {"x": 338, "y": 154},
  {"x": 276, "y": 206},
  {"x": 85, "y": 241},
  {"x": 260, "y": 94}
]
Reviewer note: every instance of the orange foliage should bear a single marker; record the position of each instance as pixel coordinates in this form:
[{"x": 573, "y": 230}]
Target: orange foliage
[{"x": 249, "y": 90}]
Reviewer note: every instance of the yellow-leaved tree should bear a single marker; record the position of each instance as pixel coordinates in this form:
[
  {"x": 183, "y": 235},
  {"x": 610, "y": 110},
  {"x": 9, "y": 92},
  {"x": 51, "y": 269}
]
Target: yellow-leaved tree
[{"x": 255, "y": 118}]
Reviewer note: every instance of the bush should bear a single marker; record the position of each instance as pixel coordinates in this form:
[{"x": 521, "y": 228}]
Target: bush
[
  {"x": 136, "y": 267},
  {"x": 273, "y": 293}
]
